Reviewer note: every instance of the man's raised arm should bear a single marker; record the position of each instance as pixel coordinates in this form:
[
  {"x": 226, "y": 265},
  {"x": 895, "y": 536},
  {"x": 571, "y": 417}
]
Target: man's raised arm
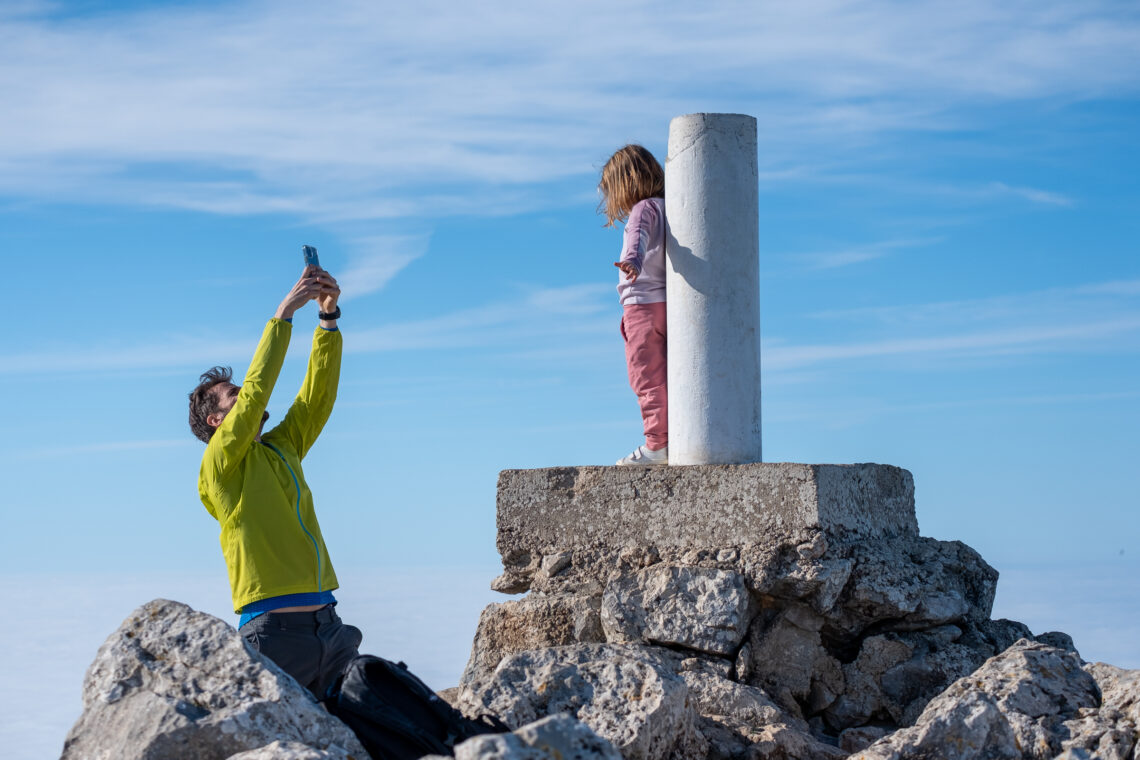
[
  {"x": 242, "y": 421},
  {"x": 313, "y": 405}
]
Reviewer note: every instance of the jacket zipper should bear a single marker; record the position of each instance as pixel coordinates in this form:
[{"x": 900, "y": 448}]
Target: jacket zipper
[{"x": 297, "y": 488}]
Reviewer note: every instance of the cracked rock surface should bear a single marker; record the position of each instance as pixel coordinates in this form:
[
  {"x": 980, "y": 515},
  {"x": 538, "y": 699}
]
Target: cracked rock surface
[{"x": 173, "y": 682}]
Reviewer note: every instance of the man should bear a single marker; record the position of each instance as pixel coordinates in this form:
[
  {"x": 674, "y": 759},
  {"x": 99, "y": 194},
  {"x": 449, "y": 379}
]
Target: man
[{"x": 251, "y": 482}]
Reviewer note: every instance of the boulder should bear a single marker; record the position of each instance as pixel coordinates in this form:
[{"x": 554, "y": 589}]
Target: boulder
[
  {"x": 787, "y": 659},
  {"x": 913, "y": 584},
  {"x": 1119, "y": 688},
  {"x": 895, "y": 675},
  {"x": 862, "y": 698},
  {"x": 173, "y": 682},
  {"x": 1109, "y": 733},
  {"x": 703, "y": 609},
  {"x": 1001, "y": 634},
  {"x": 738, "y": 720},
  {"x": 556, "y": 737},
  {"x": 628, "y": 694},
  {"x": 280, "y": 750},
  {"x": 855, "y": 739},
  {"x": 1015, "y": 706},
  {"x": 537, "y": 621},
  {"x": 966, "y": 727}
]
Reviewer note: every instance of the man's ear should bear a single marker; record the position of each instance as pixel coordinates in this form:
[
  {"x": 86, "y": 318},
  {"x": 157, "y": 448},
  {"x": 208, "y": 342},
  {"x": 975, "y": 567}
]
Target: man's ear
[{"x": 215, "y": 419}]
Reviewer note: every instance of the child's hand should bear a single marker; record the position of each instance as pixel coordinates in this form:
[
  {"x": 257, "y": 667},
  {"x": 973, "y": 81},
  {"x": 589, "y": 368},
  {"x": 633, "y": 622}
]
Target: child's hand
[{"x": 629, "y": 270}]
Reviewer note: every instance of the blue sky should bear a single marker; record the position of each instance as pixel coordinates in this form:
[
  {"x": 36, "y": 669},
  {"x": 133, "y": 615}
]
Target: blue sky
[{"x": 949, "y": 226}]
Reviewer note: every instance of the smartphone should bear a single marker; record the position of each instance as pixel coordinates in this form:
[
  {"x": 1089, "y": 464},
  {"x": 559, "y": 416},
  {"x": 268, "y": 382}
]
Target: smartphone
[{"x": 310, "y": 254}]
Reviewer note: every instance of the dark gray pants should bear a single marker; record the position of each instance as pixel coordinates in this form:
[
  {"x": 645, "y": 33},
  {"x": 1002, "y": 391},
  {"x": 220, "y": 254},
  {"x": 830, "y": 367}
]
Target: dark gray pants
[{"x": 313, "y": 647}]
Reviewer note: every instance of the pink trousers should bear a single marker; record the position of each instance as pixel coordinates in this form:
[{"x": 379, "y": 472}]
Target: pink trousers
[{"x": 643, "y": 328}]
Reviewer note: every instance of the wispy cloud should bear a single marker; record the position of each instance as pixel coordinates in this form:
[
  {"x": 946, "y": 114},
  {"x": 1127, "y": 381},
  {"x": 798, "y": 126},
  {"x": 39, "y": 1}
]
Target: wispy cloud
[
  {"x": 520, "y": 323},
  {"x": 177, "y": 351},
  {"x": 569, "y": 322},
  {"x": 1045, "y": 339},
  {"x": 1105, "y": 302},
  {"x": 859, "y": 254},
  {"x": 1090, "y": 317},
  {"x": 377, "y": 259},
  {"x": 107, "y": 447},
  {"x": 530, "y": 317},
  {"x": 1031, "y": 194},
  {"x": 341, "y": 111}
]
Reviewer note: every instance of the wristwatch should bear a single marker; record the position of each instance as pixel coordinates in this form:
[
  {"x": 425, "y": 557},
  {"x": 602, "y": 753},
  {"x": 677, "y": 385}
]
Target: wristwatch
[{"x": 329, "y": 316}]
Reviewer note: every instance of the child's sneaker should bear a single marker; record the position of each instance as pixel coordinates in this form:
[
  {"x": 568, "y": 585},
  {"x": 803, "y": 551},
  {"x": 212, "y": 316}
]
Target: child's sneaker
[{"x": 645, "y": 456}]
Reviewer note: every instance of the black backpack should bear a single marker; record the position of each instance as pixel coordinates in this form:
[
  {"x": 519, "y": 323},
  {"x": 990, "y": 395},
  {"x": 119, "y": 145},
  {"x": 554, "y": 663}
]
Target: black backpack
[{"x": 397, "y": 716}]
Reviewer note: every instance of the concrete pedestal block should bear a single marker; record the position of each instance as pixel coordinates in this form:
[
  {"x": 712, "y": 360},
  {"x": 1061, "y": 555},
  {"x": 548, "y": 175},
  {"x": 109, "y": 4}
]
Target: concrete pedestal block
[{"x": 699, "y": 506}]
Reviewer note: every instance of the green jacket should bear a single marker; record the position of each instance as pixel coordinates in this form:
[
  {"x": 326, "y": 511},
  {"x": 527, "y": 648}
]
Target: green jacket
[{"x": 256, "y": 490}]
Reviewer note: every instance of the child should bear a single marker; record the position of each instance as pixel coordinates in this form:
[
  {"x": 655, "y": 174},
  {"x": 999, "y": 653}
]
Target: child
[{"x": 633, "y": 191}]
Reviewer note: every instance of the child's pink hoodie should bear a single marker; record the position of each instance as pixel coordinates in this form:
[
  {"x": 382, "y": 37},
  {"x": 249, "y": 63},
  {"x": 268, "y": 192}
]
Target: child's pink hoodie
[{"x": 643, "y": 245}]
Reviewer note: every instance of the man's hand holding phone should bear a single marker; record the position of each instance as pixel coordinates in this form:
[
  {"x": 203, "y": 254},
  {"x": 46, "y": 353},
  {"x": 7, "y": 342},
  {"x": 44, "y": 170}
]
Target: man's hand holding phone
[{"x": 309, "y": 287}]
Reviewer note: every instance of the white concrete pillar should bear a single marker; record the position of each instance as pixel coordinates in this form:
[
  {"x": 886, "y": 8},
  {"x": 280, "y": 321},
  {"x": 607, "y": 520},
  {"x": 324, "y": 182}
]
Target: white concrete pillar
[{"x": 713, "y": 288}]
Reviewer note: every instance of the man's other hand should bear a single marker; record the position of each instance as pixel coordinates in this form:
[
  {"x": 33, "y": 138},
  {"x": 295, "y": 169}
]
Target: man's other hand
[{"x": 329, "y": 294}]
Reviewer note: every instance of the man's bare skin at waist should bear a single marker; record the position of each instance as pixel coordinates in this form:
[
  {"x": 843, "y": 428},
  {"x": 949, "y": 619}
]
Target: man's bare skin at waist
[{"x": 303, "y": 608}]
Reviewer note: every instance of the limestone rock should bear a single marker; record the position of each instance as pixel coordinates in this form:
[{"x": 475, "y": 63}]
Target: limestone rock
[
  {"x": 1014, "y": 706},
  {"x": 713, "y": 694},
  {"x": 1074, "y": 754},
  {"x": 280, "y": 750},
  {"x": 1002, "y": 633},
  {"x": 909, "y": 686},
  {"x": 556, "y": 737},
  {"x": 1058, "y": 639},
  {"x": 1102, "y": 733},
  {"x": 537, "y": 621},
  {"x": 855, "y": 739},
  {"x": 553, "y": 564},
  {"x": 449, "y": 695},
  {"x": 739, "y": 720},
  {"x": 173, "y": 682},
  {"x": 628, "y": 694},
  {"x": 968, "y": 727},
  {"x": 895, "y": 675},
  {"x": 817, "y": 581},
  {"x": 789, "y": 661},
  {"x": 519, "y": 568},
  {"x": 915, "y": 584},
  {"x": 1109, "y": 733},
  {"x": 1120, "y": 689},
  {"x": 862, "y": 697},
  {"x": 697, "y": 608}
]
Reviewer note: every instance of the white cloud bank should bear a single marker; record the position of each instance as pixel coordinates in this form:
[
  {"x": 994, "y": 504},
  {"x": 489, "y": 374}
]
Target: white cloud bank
[{"x": 364, "y": 110}]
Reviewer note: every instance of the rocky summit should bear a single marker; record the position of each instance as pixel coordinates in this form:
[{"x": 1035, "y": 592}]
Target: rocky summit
[
  {"x": 771, "y": 611},
  {"x": 763, "y": 611}
]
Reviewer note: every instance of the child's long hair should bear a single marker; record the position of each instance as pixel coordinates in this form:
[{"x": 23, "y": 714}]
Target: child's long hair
[{"x": 631, "y": 175}]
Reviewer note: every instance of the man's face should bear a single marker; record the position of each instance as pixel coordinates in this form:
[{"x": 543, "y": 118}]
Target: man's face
[{"x": 226, "y": 394}]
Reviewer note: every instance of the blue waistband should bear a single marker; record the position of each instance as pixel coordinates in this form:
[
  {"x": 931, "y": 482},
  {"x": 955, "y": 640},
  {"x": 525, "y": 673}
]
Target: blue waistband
[{"x": 261, "y": 606}]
